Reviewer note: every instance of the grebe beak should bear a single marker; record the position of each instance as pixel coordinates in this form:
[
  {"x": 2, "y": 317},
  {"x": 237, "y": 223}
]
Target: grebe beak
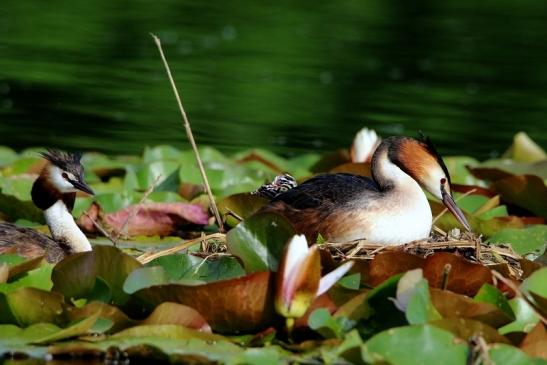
[
  {"x": 454, "y": 209},
  {"x": 82, "y": 186}
]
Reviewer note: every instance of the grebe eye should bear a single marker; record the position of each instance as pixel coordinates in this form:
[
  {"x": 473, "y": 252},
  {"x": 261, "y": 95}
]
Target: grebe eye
[
  {"x": 443, "y": 181},
  {"x": 64, "y": 175}
]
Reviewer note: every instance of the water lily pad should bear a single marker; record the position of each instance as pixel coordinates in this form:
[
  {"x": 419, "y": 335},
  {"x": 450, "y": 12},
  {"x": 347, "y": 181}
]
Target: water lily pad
[
  {"x": 259, "y": 240},
  {"x": 526, "y": 191},
  {"x": 26, "y": 306},
  {"x": 243, "y": 205},
  {"x": 418, "y": 344},
  {"x": 230, "y": 306},
  {"x": 75, "y": 276},
  {"x": 525, "y": 241},
  {"x": 180, "y": 267}
]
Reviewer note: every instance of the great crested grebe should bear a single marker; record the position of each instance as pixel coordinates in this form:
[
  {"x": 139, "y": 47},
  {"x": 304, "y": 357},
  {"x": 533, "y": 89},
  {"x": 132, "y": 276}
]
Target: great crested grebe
[
  {"x": 54, "y": 192},
  {"x": 389, "y": 209}
]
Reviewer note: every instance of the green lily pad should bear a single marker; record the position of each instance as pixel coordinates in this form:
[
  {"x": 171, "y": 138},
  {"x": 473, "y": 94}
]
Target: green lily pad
[
  {"x": 259, "y": 241},
  {"x": 525, "y": 317},
  {"x": 243, "y": 205},
  {"x": 509, "y": 355},
  {"x": 492, "y": 295},
  {"x": 26, "y": 306},
  {"x": 418, "y": 344},
  {"x": 181, "y": 267},
  {"x": 75, "y": 276},
  {"x": 525, "y": 241}
]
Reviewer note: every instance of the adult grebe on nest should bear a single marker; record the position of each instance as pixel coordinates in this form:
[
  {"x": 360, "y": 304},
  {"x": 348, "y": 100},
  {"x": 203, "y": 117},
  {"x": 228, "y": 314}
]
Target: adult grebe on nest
[{"x": 389, "y": 209}]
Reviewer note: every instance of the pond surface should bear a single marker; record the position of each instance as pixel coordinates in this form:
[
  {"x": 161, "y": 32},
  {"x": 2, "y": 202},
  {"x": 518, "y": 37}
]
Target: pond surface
[{"x": 289, "y": 77}]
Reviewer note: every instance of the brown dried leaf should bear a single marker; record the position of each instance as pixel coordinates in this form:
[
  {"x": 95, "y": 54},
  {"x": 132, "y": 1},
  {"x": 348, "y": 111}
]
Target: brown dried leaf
[
  {"x": 452, "y": 305},
  {"x": 465, "y": 277},
  {"x": 387, "y": 264},
  {"x": 535, "y": 343}
]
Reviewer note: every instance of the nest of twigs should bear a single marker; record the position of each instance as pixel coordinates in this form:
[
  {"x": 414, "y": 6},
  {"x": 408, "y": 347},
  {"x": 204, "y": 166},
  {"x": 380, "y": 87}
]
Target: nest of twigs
[{"x": 464, "y": 244}]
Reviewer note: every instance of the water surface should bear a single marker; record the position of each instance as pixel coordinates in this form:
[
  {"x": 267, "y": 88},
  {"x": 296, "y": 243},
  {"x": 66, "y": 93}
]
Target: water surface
[{"x": 286, "y": 76}]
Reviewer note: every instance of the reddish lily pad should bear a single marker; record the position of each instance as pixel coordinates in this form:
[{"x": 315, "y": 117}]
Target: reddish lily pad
[
  {"x": 229, "y": 306},
  {"x": 464, "y": 276}
]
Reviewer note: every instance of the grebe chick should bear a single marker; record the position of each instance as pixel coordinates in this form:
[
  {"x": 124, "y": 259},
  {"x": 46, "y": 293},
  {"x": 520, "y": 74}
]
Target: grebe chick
[
  {"x": 389, "y": 209},
  {"x": 54, "y": 192}
]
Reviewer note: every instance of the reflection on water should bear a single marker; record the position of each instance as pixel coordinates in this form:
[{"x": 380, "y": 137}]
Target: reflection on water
[{"x": 286, "y": 76}]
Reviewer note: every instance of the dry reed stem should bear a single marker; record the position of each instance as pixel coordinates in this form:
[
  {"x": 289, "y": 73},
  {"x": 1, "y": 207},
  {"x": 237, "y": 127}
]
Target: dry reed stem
[
  {"x": 102, "y": 230},
  {"x": 147, "y": 257},
  {"x": 190, "y": 135}
]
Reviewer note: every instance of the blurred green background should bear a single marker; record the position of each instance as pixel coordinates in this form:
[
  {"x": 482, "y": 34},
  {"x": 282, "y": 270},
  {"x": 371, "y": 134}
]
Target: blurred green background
[{"x": 287, "y": 76}]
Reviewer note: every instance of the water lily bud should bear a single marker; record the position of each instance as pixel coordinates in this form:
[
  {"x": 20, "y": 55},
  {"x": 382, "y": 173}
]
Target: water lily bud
[
  {"x": 297, "y": 278},
  {"x": 364, "y": 145}
]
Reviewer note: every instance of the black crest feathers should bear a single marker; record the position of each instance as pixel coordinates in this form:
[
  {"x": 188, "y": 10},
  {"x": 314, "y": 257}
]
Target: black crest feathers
[{"x": 64, "y": 160}]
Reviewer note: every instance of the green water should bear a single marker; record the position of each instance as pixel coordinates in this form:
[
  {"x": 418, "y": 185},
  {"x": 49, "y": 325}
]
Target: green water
[{"x": 286, "y": 76}]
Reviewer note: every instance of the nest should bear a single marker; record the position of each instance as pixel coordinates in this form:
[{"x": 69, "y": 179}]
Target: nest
[{"x": 499, "y": 256}]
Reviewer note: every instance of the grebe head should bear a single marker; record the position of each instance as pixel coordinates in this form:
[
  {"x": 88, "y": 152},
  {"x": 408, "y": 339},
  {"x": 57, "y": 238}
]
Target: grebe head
[
  {"x": 65, "y": 172},
  {"x": 420, "y": 160}
]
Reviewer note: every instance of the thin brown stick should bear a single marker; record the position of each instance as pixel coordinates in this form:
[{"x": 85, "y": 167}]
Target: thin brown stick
[
  {"x": 136, "y": 208},
  {"x": 190, "y": 135},
  {"x": 102, "y": 230},
  {"x": 519, "y": 293},
  {"x": 147, "y": 257}
]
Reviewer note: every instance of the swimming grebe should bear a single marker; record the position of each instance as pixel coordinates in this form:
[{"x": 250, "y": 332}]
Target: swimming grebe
[
  {"x": 389, "y": 209},
  {"x": 54, "y": 192}
]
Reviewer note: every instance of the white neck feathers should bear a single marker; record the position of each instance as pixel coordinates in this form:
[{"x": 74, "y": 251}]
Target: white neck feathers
[{"x": 64, "y": 229}]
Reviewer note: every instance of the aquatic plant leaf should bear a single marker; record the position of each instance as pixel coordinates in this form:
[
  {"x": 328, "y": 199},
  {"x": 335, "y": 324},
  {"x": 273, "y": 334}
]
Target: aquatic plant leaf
[
  {"x": 465, "y": 329},
  {"x": 148, "y": 219},
  {"x": 525, "y": 241},
  {"x": 524, "y": 149},
  {"x": 464, "y": 277},
  {"x": 321, "y": 321},
  {"x": 180, "y": 267},
  {"x": 259, "y": 240},
  {"x": 27, "y": 306},
  {"x": 362, "y": 169},
  {"x": 118, "y": 319},
  {"x": 493, "y": 170},
  {"x": 330, "y": 160},
  {"x": 7, "y": 156},
  {"x": 389, "y": 263},
  {"x": 453, "y": 305},
  {"x": 426, "y": 344},
  {"x": 526, "y": 191},
  {"x": 75, "y": 276},
  {"x": 413, "y": 298},
  {"x": 18, "y": 268},
  {"x": 535, "y": 342},
  {"x": 492, "y": 295},
  {"x": 179, "y": 314},
  {"x": 39, "y": 278},
  {"x": 509, "y": 355},
  {"x": 459, "y": 173},
  {"x": 536, "y": 285},
  {"x": 243, "y": 205},
  {"x": 526, "y": 317},
  {"x": 230, "y": 306}
]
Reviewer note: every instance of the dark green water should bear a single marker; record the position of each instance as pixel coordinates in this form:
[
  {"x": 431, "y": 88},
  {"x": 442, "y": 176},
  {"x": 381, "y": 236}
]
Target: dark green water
[{"x": 286, "y": 76}]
